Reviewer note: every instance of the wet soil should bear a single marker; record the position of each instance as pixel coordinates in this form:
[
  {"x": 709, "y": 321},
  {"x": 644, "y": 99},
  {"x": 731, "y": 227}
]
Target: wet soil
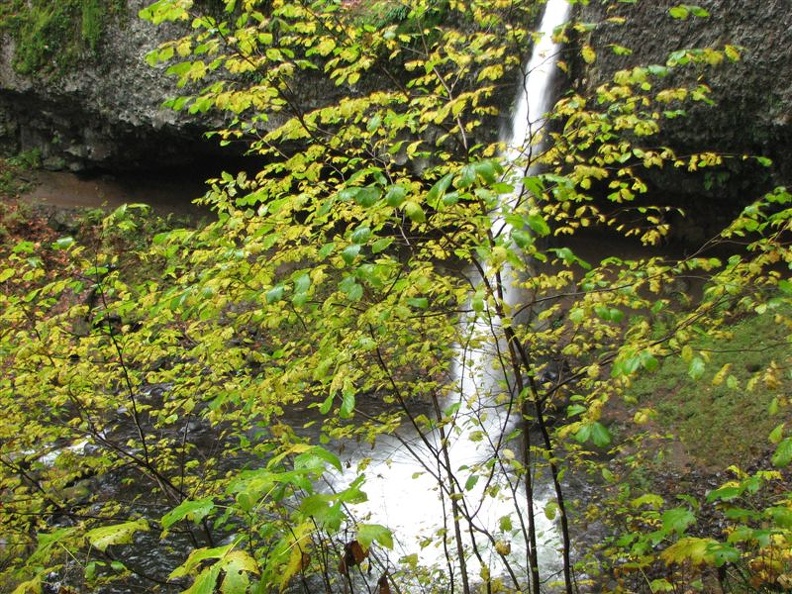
[{"x": 166, "y": 193}]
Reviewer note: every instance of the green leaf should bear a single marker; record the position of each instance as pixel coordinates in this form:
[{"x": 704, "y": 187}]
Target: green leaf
[
  {"x": 489, "y": 171},
  {"x": 696, "y": 551},
  {"x": 275, "y": 294},
  {"x": 395, "y": 195},
  {"x": 367, "y": 196},
  {"x": 361, "y": 235},
  {"x": 696, "y": 368},
  {"x": 436, "y": 191},
  {"x": 522, "y": 239},
  {"x": 600, "y": 434},
  {"x": 302, "y": 283},
  {"x": 105, "y": 536},
  {"x": 194, "y": 511},
  {"x": 381, "y": 245},
  {"x": 63, "y": 243},
  {"x": 661, "y": 585},
  {"x": 418, "y": 302},
  {"x": 352, "y": 288},
  {"x": 677, "y": 519},
  {"x": 651, "y": 500},
  {"x": 347, "y": 405},
  {"x": 317, "y": 457},
  {"x": 551, "y": 510},
  {"x": 414, "y": 212},
  {"x": 370, "y": 533},
  {"x": 327, "y": 404},
  {"x": 538, "y": 224},
  {"x": 374, "y": 123},
  {"x": 783, "y": 453},
  {"x": 350, "y": 252},
  {"x": 777, "y": 434},
  {"x": 679, "y": 12},
  {"x": 237, "y": 567}
]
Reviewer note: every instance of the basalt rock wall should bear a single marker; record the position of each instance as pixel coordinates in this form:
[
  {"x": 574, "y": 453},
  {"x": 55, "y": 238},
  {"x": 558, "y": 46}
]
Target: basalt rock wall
[
  {"x": 752, "y": 114},
  {"x": 103, "y": 112},
  {"x": 107, "y": 112}
]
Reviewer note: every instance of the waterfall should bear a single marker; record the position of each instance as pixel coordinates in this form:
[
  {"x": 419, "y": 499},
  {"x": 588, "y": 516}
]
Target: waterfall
[
  {"x": 533, "y": 101},
  {"x": 524, "y": 139},
  {"x": 401, "y": 493}
]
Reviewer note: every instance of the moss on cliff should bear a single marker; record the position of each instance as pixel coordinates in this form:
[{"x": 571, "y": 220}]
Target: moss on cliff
[{"x": 55, "y": 36}]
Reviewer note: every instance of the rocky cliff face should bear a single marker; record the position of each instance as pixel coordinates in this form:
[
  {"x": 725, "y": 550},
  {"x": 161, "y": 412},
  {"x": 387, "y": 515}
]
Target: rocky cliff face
[
  {"x": 752, "y": 114},
  {"x": 107, "y": 113},
  {"x": 104, "y": 113}
]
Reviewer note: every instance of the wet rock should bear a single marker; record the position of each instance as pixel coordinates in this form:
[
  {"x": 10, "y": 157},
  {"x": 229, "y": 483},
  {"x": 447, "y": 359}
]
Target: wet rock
[
  {"x": 753, "y": 96},
  {"x": 106, "y": 112}
]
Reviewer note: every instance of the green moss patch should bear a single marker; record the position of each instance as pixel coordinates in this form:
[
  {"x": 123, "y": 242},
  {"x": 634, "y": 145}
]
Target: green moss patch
[
  {"x": 723, "y": 412},
  {"x": 55, "y": 36}
]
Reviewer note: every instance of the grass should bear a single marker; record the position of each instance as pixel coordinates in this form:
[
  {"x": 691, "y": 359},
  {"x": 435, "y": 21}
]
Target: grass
[{"x": 723, "y": 417}]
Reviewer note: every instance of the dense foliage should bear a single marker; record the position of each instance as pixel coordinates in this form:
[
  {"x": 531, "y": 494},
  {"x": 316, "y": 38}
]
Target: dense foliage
[{"x": 191, "y": 410}]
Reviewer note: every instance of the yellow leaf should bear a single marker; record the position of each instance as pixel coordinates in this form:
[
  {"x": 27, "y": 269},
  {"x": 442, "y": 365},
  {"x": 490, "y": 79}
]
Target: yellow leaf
[
  {"x": 693, "y": 549},
  {"x": 588, "y": 54}
]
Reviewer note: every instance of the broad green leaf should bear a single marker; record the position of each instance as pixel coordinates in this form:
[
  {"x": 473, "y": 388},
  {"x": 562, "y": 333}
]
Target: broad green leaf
[
  {"x": 237, "y": 566},
  {"x": 696, "y": 368},
  {"x": 522, "y": 239},
  {"x": 414, "y": 212},
  {"x": 678, "y": 519},
  {"x": 783, "y": 453},
  {"x": 317, "y": 457},
  {"x": 600, "y": 434},
  {"x": 275, "y": 293},
  {"x": 63, "y": 243},
  {"x": 347, "y": 405},
  {"x": 381, "y": 244},
  {"x": 651, "y": 500},
  {"x": 194, "y": 511},
  {"x": 395, "y": 195},
  {"x": 689, "y": 549},
  {"x": 361, "y": 235},
  {"x": 538, "y": 224},
  {"x": 371, "y": 533},
  {"x": 418, "y": 302},
  {"x": 105, "y": 536},
  {"x": 350, "y": 252},
  {"x": 551, "y": 510},
  {"x": 439, "y": 189},
  {"x": 367, "y": 196}
]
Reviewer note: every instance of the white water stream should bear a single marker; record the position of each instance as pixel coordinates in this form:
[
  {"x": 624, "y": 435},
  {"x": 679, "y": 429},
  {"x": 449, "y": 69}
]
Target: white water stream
[{"x": 402, "y": 488}]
